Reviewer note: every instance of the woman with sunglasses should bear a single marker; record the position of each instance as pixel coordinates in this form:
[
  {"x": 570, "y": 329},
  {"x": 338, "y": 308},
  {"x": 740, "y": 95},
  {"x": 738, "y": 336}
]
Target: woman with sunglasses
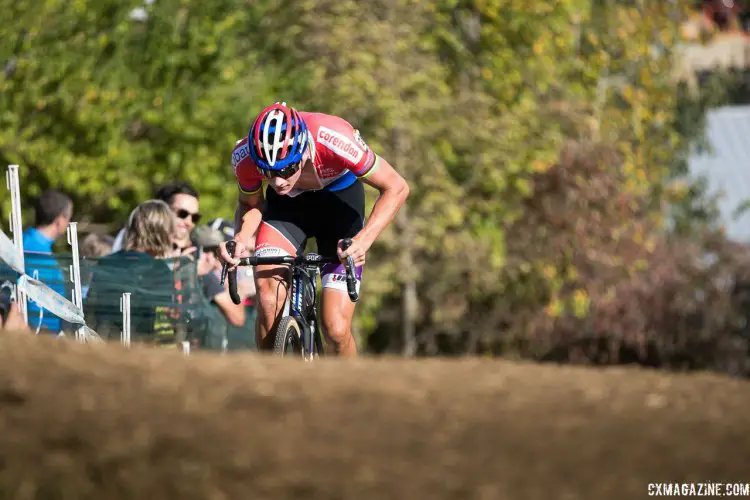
[{"x": 315, "y": 165}]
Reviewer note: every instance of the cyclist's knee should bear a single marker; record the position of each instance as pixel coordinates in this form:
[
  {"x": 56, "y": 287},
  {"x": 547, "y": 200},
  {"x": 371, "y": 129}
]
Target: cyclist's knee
[
  {"x": 270, "y": 293},
  {"x": 338, "y": 328}
]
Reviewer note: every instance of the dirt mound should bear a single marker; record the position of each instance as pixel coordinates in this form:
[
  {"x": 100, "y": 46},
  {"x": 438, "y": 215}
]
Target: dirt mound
[{"x": 80, "y": 422}]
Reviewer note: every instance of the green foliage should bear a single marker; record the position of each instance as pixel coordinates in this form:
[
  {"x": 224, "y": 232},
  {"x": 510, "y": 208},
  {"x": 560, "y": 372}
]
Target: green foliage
[
  {"x": 472, "y": 101},
  {"x": 106, "y": 106}
]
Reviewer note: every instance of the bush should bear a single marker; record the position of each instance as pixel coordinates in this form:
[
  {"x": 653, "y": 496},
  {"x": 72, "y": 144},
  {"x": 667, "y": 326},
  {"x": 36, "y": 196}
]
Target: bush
[
  {"x": 592, "y": 276},
  {"x": 606, "y": 284}
]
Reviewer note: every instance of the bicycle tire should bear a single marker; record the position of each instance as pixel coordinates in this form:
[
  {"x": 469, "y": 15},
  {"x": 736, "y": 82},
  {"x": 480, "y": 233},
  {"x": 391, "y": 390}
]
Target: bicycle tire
[{"x": 288, "y": 332}]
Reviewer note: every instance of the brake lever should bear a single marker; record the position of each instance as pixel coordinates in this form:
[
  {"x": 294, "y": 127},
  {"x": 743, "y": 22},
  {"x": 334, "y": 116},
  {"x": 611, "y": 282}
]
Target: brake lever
[
  {"x": 225, "y": 265},
  {"x": 351, "y": 280}
]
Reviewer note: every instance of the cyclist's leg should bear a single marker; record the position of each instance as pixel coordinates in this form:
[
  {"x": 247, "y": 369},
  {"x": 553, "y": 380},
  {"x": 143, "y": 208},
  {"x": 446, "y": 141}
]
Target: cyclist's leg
[
  {"x": 337, "y": 311},
  {"x": 279, "y": 234},
  {"x": 345, "y": 216}
]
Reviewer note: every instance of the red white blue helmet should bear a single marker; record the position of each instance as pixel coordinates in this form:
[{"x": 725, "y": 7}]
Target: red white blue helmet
[{"x": 277, "y": 139}]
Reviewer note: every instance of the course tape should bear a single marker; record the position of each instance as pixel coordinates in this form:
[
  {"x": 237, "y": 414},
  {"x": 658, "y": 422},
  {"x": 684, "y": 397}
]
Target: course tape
[
  {"x": 40, "y": 293},
  {"x": 50, "y": 300},
  {"x": 8, "y": 253}
]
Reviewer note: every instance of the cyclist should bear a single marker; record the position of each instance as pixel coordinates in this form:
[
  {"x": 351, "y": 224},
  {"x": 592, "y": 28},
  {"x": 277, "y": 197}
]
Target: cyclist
[{"x": 315, "y": 165}]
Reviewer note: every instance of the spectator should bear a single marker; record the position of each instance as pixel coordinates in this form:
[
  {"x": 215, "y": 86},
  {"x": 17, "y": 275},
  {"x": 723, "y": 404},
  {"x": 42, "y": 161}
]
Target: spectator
[
  {"x": 53, "y": 211},
  {"x": 96, "y": 245},
  {"x": 240, "y": 337},
  {"x": 5, "y": 302},
  {"x": 183, "y": 200},
  {"x": 10, "y": 315},
  {"x": 226, "y": 228},
  {"x": 207, "y": 241},
  {"x": 140, "y": 270},
  {"x": 245, "y": 279},
  {"x": 150, "y": 230}
]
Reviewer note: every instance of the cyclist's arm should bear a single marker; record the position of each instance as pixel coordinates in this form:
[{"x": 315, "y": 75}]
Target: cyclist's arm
[
  {"x": 247, "y": 217},
  {"x": 393, "y": 193}
]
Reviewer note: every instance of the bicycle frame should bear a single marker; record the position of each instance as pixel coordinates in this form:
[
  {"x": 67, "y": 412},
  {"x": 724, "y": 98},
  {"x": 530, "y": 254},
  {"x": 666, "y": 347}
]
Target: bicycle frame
[
  {"x": 303, "y": 269},
  {"x": 302, "y": 275}
]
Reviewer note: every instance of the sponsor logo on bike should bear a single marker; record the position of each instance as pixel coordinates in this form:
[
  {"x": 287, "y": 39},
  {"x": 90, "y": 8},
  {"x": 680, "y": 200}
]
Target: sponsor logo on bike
[{"x": 340, "y": 144}]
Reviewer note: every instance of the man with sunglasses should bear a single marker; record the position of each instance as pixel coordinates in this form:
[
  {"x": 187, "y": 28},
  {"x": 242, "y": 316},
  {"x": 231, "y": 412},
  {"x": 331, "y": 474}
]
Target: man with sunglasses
[{"x": 315, "y": 165}]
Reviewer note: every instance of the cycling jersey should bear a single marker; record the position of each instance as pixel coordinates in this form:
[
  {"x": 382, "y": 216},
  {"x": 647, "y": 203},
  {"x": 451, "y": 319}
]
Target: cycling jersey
[{"x": 339, "y": 157}]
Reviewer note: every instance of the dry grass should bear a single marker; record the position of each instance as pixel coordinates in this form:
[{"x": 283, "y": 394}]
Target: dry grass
[{"x": 83, "y": 422}]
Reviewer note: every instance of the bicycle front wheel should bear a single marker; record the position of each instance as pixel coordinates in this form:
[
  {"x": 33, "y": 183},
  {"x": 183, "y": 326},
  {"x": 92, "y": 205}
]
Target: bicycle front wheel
[{"x": 288, "y": 338}]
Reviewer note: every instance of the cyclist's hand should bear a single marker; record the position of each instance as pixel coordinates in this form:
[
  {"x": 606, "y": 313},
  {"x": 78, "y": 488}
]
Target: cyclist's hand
[
  {"x": 357, "y": 250},
  {"x": 240, "y": 250}
]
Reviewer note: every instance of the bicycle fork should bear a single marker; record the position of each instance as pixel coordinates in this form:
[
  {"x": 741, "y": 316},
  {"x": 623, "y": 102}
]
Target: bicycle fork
[{"x": 294, "y": 306}]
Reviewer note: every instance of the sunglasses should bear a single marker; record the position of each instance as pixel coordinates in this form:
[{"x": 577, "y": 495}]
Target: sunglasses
[
  {"x": 284, "y": 173},
  {"x": 184, "y": 214}
]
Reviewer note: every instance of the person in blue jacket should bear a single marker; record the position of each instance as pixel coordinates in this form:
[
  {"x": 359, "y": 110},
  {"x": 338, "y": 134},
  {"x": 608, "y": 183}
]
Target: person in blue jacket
[{"x": 53, "y": 211}]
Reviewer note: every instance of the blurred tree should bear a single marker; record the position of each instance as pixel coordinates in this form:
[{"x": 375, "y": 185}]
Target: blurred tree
[
  {"x": 107, "y": 98},
  {"x": 541, "y": 140}
]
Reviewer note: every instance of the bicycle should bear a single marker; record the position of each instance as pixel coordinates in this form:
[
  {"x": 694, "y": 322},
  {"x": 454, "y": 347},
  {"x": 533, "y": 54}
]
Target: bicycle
[{"x": 298, "y": 327}]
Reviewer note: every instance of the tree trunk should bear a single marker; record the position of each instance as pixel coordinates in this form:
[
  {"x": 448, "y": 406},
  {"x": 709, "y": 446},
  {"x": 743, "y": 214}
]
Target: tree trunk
[
  {"x": 406, "y": 256},
  {"x": 409, "y": 285}
]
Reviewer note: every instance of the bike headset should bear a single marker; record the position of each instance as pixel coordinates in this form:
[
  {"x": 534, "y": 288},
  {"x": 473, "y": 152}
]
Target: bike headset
[{"x": 277, "y": 141}]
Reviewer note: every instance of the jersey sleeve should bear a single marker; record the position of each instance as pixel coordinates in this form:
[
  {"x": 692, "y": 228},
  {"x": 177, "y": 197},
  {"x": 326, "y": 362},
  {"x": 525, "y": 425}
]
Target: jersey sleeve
[
  {"x": 248, "y": 178},
  {"x": 348, "y": 147}
]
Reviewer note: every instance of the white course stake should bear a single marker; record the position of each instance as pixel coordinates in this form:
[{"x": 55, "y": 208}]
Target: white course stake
[
  {"x": 16, "y": 227},
  {"x": 125, "y": 308},
  {"x": 75, "y": 276}
]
